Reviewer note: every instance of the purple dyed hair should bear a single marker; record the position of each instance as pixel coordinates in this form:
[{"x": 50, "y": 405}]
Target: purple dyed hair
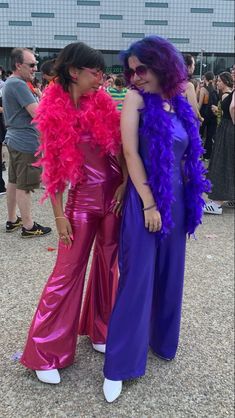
[{"x": 159, "y": 55}]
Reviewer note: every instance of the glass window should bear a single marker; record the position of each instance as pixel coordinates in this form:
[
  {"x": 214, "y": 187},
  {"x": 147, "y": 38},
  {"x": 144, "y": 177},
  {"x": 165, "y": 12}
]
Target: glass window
[
  {"x": 37, "y": 14},
  {"x": 20, "y": 23},
  {"x": 201, "y": 10},
  {"x": 223, "y": 24},
  {"x": 111, "y": 17},
  {"x": 154, "y": 4},
  {"x": 88, "y": 3},
  {"x": 179, "y": 40},
  {"x": 65, "y": 37},
  {"x": 156, "y": 22},
  {"x": 133, "y": 35},
  {"x": 88, "y": 25}
]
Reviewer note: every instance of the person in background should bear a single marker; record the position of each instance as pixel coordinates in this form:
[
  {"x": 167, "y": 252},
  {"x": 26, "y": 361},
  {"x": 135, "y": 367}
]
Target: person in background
[
  {"x": 118, "y": 92},
  {"x": 190, "y": 92},
  {"x": 222, "y": 163},
  {"x": 35, "y": 89},
  {"x": 109, "y": 81},
  {"x": 2, "y": 134},
  {"x": 19, "y": 107},
  {"x": 80, "y": 145},
  {"x": 163, "y": 203},
  {"x": 232, "y": 105},
  {"x": 47, "y": 71},
  {"x": 208, "y": 97}
]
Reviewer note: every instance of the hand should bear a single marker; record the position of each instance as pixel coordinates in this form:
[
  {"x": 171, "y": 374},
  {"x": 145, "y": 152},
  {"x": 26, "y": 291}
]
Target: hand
[
  {"x": 214, "y": 109},
  {"x": 118, "y": 199},
  {"x": 152, "y": 220},
  {"x": 65, "y": 232}
]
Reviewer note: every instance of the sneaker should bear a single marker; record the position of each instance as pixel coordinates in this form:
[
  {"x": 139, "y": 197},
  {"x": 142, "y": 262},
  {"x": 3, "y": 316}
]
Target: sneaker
[
  {"x": 212, "y": 208},
  {"x": 36, "y": 231},
  {"x": 2, "y": 192},
  {"x": 228, "y": 204},
  {"x": 12, "y": 226}
]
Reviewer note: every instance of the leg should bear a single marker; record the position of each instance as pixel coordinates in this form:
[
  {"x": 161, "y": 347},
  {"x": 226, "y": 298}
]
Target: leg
[
  {"x": 168, "y": 288},
  {"x": 53, "y": 334},
  {"x": 2, "y": 182},
  {"x": 24, "y": 202},
  {"x": 128, "y": 334},
  {"x": 103, "y": 280},
  {"x": 210, "y": 134},
  {"x": 11, "y": 202}
]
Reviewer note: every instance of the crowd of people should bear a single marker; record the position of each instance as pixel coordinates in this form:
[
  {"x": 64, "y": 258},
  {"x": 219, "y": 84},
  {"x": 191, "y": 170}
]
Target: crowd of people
[
  {"x": 212, "y": 100},
  {"x": 127, "y": 151}
]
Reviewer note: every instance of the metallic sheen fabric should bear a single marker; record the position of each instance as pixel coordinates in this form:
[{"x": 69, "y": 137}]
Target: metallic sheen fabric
[
  {"x": 53, "y": 333},
  {"x": 148, "y": 305}
]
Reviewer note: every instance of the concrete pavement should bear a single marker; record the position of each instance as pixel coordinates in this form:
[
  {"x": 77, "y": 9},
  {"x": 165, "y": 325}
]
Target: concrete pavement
[{"x": 198, "y": 383}]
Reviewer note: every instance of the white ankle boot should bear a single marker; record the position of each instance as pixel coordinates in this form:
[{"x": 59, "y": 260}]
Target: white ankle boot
[
  {"x": 99, "y": 347},
  {"x": 112, "y": 389},
  {"x": 48, "y": 376}
]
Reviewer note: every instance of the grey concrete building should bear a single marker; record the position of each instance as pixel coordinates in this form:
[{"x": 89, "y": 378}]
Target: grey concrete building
[{"x": 111, "y": 25}]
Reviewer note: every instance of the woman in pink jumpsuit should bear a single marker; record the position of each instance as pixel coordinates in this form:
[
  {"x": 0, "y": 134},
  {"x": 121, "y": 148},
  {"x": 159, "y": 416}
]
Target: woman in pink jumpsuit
[{"x": 79, "y": 128}]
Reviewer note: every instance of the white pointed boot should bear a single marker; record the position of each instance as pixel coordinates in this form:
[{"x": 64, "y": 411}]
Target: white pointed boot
[
  {"x": 48, "y": 376},
  {"x": 112, "y": 389},
  {"x": 99, "y": 347}
]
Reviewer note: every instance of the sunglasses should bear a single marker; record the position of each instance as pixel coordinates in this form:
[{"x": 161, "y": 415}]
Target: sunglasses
[
  {"x": 95, "y": 73},
  {"x": 140, "y": 71},
  {"x": 32, "y": 64}
]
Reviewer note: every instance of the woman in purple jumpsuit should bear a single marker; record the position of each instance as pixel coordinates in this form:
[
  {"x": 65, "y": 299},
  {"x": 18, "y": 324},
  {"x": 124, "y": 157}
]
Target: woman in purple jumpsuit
[{"x": 163, "y": 203}]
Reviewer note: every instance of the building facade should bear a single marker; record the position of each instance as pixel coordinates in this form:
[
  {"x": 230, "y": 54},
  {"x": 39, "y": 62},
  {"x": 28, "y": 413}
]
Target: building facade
[{"x": 203, "y": 28}]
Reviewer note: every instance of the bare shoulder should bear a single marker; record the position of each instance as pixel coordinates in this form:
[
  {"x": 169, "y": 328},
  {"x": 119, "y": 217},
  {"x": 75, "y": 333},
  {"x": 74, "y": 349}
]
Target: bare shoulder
[{"x": 134, "y": 98}]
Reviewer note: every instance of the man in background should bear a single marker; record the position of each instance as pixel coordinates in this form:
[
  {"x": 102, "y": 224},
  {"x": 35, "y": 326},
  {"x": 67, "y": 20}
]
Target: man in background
[{"x": 19, "y": 106}]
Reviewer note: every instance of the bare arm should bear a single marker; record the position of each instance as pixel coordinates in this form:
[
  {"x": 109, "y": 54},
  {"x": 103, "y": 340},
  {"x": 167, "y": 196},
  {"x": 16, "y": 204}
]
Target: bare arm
[
  {"x": 232, "y": 108},
  {"x": 192, "y": 98},
  {"x": 201, "y": 97},
  {"x": 31, "y": 109},
  {"x": 130, "y": 139},
  {"x": 120, "y": 191}
]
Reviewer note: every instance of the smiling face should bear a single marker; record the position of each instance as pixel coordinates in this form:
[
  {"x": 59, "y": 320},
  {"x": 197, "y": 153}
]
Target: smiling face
[
  {"x": 142, "y": 77},
  {"x": 28, "y": 68},
  {"x": 86, "y": 79}
]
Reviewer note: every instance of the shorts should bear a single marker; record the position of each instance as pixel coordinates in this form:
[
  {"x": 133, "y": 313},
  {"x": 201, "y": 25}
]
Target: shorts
[{"x": 21, "y": 172}]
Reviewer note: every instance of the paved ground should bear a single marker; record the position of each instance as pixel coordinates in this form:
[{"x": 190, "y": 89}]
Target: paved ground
[{"x": 198, "y": 383}]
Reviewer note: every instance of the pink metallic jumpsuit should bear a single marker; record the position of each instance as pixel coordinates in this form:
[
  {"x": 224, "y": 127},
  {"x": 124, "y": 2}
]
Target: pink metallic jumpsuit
[{"x": 58, "y": 319}]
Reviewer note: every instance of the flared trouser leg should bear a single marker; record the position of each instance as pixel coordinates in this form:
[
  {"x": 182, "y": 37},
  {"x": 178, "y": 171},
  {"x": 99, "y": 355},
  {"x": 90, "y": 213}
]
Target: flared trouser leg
[
  {"x": 103, "y": 280},
  {"x": 148, "y": 306},
  {"x": 128, "y": 333},
  {"x": 167, "y": 294},
  {"x": 53, "y": 333}
]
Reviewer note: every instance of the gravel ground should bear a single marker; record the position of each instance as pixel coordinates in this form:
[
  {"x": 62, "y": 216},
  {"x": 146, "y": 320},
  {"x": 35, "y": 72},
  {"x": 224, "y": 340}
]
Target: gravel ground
[{"x": 198, "y": 383}]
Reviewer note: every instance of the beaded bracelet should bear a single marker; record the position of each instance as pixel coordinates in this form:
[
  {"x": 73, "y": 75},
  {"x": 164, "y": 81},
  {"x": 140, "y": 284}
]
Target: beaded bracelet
[{"x": 150, "y": 207}]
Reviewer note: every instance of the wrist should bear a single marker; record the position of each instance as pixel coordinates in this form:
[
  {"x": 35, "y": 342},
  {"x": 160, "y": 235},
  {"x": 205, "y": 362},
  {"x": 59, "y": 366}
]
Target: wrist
[{"x": 145, "y": 208}]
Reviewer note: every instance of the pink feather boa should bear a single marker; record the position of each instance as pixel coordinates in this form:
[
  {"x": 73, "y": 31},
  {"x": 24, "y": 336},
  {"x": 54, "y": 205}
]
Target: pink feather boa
[{"x": 62, "y": 126}]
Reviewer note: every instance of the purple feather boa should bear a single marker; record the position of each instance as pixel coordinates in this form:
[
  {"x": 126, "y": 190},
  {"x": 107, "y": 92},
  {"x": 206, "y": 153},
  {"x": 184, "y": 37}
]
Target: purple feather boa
[{"x": 156, "y": 127}]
